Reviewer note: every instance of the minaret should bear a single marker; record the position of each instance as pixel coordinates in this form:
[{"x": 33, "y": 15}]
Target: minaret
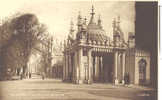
[
  {"x": 119, "y": 29},
  {"x": 79, "y": 22},
  {"x": 114, "y": 25},
  {"x": 72, "y": 29},
  {"x": 85, "y": 21},
  {"x": 118, "y": 21},
  {"x": 84, "y": 25},
  {"x": 131, "y": 40},
  {"x": 92, "y": 21},
  {"x": 64, "y": 44},
  {"x": 116, "y": 36},
  {"x": 100, "y": 22}
]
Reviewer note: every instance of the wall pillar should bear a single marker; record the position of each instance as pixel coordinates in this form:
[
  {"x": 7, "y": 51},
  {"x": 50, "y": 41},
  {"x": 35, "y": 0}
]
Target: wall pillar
[
  {"x": 90, "y": 67},
  {"x": 64, "y": 68},
  {"x": 67, "y": 66},
  {"x": 116, "y": 67},
  {"x": 93, "y": 69},
  {"x": 76, "y": 75},
  {"x": 123, "y": 68},
  {"x": 96, "y": 68},
  {"x": 73, "y": 67},
  {"x": 148, "y": 70},
  {"x": 101, "y": 59},
  {"x": 81, "y": 67}
]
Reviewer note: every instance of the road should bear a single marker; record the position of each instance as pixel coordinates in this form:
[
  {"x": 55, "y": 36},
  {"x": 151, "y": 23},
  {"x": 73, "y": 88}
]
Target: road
[{"x": 50, "y": 89}]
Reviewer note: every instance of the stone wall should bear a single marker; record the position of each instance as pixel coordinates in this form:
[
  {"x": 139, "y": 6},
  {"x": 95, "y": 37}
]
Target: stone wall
[{"x": 133, "y": 56}]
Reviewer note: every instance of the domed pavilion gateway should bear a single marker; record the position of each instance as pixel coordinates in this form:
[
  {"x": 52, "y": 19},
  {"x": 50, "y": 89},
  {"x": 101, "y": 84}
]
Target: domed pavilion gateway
[{"x": 91, "y": 56}]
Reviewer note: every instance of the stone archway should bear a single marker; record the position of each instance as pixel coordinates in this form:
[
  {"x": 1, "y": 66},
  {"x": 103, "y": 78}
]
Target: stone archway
[
  {"x": 102, "y": 67},
  {"x": 142, "y": 71},
  {"x": 108, "y": 68}
]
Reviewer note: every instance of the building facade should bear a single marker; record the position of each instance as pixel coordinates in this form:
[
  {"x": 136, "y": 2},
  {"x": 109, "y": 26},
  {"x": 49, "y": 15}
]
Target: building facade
[{"x": 91, "y": 56}]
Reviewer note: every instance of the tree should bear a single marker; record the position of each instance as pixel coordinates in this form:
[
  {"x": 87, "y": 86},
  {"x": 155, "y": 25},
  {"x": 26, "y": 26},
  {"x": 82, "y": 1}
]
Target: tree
[
  {"x": 46, "y": 56},
  {"x": 19, "y": 35}
]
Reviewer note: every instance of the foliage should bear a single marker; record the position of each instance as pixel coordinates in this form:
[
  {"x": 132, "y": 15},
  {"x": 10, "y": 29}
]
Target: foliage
[{"x": 18, "y": 35}]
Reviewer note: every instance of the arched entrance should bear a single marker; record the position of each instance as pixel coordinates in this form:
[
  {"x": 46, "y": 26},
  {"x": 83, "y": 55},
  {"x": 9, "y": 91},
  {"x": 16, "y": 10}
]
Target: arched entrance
[
  {"x": 102, "y": 67},
  {"x": 142, "y": 71}
]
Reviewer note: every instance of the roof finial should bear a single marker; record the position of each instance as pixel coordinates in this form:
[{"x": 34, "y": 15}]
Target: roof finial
[
  {"x": 79, "y": 16},
  {"x": 114, "y": 23},
  {"x": 85, "y": 20},
  {"x": 92, "y": 16},
  {"x": 92, "y": 11},
  {"x": 71, "y": 35},
  {"x": 99, "y": 17},
  {"x": 99, "y": 21},
  {"x": 71, "y": 25},
  {"x": 79, "y": 19},
  {"x": 118, "y": 20}
]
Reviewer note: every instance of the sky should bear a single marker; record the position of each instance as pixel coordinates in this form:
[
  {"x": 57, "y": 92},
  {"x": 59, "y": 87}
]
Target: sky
[{"x": 56, "y": 15}]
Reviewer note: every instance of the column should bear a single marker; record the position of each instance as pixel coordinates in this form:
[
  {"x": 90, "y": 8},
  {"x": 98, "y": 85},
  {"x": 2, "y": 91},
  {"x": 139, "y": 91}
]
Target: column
[
  {"x": 64, "y": 68},
  {"x": 123, "y": 67},
  {"x": 90, "y": 67},
  {"x": 93, "y": 68},
  {"x": 76, "y": 67},
  {"x": 81, "y": 67},
  {"x": 148, "y": 70},
  {"x": 99, "y": 68},
  {"x": 72, "y": 66},
  {"x": 119, "y": 67},
  {"x": 16, "y": 71},
  {"x": 96, "y": 64},
  {"x": 69, "y": 77},
  {"x": 116, "y": 67},
  {"x": 101, "y": 59},
  {"x": 67, "y": 65}
]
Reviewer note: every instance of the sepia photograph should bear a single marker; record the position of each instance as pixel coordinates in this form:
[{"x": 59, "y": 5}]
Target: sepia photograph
[{"x": 78, "y": 50}]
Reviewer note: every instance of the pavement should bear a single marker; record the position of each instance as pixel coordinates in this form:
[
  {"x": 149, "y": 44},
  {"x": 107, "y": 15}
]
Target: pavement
[{"x": 52, "y": 89}]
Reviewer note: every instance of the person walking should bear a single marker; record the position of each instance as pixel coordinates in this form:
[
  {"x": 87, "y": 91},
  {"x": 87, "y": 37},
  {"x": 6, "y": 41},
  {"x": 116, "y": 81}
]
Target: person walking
[
  {"x": 43, "y": 76},
  {"x": 29, "y": 75},
  {"x": 21, "y": 76},
  {"x": 126, "y": 79}
]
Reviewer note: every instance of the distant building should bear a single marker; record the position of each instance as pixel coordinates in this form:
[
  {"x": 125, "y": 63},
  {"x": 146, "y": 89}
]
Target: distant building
[
  {"x": 91, "y": 56},
  {"x": 57, "y": 62}
]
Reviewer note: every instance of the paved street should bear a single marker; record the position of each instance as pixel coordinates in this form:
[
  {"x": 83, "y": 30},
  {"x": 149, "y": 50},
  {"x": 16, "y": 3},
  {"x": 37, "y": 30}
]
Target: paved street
[{"x": 50, "y": 89}]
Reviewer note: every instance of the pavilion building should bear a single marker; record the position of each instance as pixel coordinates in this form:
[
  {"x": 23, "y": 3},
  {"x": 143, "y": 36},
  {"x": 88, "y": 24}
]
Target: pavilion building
[{"x": 91, "y": 56}]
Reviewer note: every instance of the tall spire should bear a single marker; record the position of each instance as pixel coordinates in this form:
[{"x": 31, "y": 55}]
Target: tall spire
[
  {"x": 71, "y": 27},
  {"x": 79, "y": 22},
  {"x": 92, "y": 13},
  {"x": 100, "y": 22},
  {"x": 114, "y": 24},
  {"x": 92, "y": 16},
  {"x": 79, "y": 19},
  {"x": 85, "y": 20},
  {"x": 117, "y": 30},
  {"x": 118, "y": 21}
]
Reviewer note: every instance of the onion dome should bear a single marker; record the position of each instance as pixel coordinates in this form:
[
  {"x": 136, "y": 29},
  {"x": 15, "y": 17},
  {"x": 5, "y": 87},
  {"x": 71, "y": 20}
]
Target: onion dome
[
  {"x": 117, "y": 32},
  {"x": 71, "y": 34},
  {"x": 84, "y": 25},
  {"x": 79, "y": 19},
  {"x": 94, "y": 31}
]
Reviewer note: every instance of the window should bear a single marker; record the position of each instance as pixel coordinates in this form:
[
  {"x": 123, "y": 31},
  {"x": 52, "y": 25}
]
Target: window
[{"x": 142, "y": 71}]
